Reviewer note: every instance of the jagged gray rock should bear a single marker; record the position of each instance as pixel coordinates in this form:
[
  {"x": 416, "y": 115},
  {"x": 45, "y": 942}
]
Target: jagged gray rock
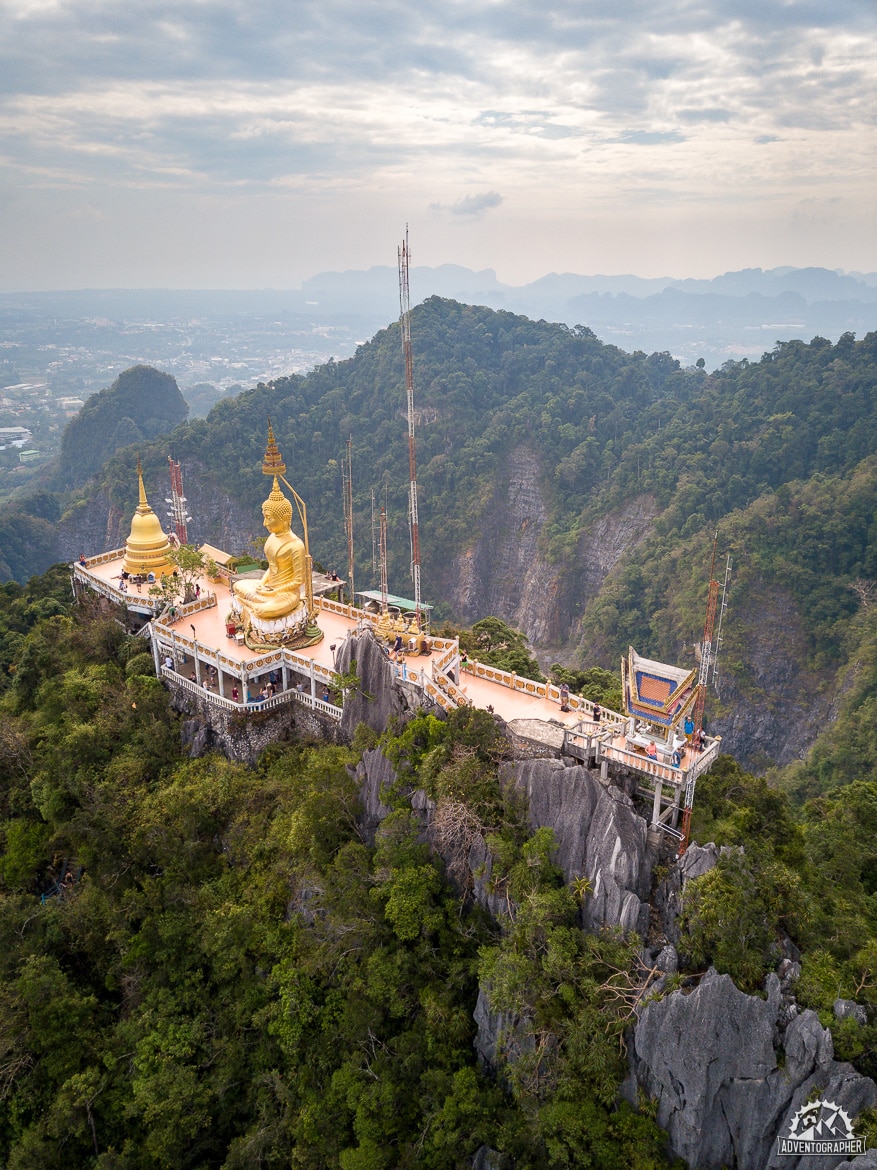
[
  {"x": 667, "y": 960},
  {"x": 501, "y": 1037},
  {"x": 599, "y": 836},
  {"x": 377, "y": 699},
  {"x": 694, "y": 863},
  {"x": 866, "y": 1162},
  {"x": 849, "y": 1007},
  {"x": 495, "y": 902},
  {"x": 375, "y": 774},
  {"x": 709, "y": 1060},
  {"x": 488, "y": 1159}
]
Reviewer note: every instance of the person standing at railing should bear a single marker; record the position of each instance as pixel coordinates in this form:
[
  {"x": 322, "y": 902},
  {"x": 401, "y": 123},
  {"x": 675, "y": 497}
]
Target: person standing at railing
[{"x": 564, "y": 697}]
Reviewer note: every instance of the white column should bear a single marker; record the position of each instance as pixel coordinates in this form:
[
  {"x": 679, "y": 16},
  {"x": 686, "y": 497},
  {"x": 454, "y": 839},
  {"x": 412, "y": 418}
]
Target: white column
[
  {"x": 197, "y": 664},
  {"x": 656, "y": 807}
]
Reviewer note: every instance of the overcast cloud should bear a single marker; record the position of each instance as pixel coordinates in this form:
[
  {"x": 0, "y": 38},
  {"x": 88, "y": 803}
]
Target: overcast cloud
[{"x": 236, "y": 144}]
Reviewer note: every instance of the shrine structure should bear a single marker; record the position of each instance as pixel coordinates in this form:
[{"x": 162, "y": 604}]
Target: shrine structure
[{"x": 244, "y": 647}]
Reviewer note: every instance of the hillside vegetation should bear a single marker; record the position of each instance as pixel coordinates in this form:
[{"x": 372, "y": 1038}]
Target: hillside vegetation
[
  {"x": 141, "y": 404},
  {"x": 778, "y": 455},
  {"x": 205, "y": 965}
]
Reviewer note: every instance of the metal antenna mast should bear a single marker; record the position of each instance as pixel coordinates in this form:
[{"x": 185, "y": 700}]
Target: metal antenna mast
[
  {"x": 707, "y": 659},
  {"x": 405, "y": 326},
  {"x": 177, "y": 501},
  {"x": 383, "y": 560},
  {"x": 722, "y": 608},
  {"x": 706, "y": 646},
  {"x": 374, "y": 535},
  {"x": 347, "y": 481}
]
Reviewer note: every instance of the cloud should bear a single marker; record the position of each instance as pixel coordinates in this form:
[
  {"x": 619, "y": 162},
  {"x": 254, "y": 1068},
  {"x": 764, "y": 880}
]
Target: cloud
[
  {"x": 471, "y": 205},
  {"x": 651, "y": 137},
  {"x": 736, "y": 100}
]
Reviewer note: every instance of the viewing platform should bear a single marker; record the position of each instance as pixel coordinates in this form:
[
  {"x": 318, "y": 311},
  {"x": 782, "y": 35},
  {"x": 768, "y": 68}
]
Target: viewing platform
[{"x": 193, "y": 652}]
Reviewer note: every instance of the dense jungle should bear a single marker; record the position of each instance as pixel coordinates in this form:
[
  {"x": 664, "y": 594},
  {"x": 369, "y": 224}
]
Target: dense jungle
[{"x": 205, "y": 965}]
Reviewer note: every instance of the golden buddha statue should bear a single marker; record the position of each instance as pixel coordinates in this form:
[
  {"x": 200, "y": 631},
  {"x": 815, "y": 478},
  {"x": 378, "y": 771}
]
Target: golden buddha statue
[
  {"x": 384, "y": 627},
  {"x": 147, "y": 547},
  {"x": 274, "y": 604}
]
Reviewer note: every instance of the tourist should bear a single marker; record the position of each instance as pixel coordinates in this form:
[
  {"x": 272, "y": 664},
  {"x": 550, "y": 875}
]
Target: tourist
[
  {"x": 564, "y": 697},
  {"x": 325, "y": 694},
  {"x": 688, "y": 727},
  {"x": 597, "y": 714},
  {"x": 82, "y": 559},
  {"x": 235, "y": 694},
  {"x": 652, "y": 750},
  {"x": 676, "y": 759},
  {"x": 169, "y": 662},
  {"x": 263, "y": 695}
]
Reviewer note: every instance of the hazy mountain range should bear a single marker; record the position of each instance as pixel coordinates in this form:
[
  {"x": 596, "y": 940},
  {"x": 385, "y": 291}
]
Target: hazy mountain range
[{"x": 733, "y": 316}]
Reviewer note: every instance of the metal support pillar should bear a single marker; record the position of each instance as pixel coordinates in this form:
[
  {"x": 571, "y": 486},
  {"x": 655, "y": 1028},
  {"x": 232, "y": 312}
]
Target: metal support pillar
[{"x": 656, "y": 806}]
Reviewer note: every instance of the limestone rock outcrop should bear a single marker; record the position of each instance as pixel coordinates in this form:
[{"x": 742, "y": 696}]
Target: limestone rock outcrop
[
  {"x": 375, "y": 774},
  {"x": 709, "y": 1059},
  {"x": 376, "y": 700},
  {"x": 599, "y": 837}
]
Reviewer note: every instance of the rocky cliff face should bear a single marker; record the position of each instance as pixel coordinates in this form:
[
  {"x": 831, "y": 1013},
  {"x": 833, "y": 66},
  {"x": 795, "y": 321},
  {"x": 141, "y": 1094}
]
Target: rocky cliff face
[
  {"x": 218, "y": 517},
  {"x": 599, "y": 837},
  {"x": 727, "y": 1071},
  {"x": 776, "y": 711},
  {"x": 505, "y": 572},
  {"x": 726, "y": 1087}
]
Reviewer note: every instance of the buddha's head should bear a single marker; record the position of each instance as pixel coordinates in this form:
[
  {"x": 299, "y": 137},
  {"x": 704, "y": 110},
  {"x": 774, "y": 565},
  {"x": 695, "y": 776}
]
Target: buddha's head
[{"x": 277, "y": 511}]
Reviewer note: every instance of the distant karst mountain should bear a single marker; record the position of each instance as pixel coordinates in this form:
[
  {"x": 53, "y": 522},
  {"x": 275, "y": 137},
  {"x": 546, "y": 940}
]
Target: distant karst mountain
[{"x": 141, "y": 404}]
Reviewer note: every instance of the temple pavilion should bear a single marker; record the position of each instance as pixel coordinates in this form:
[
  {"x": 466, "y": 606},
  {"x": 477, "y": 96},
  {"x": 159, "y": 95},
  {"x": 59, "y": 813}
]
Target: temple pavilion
[{"x": 246, "y": 645}]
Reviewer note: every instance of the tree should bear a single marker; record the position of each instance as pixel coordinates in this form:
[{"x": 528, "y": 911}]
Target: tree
[{"x": 190, "y": 566}]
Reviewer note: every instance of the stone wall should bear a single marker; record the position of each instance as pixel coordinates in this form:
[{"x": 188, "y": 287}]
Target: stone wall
[{"x": 242, "y": 738}]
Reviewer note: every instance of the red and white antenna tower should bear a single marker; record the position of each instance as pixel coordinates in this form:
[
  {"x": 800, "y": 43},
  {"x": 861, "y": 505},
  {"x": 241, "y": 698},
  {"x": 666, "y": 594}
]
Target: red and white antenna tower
[
  {"x": 405, "y": 326},
  {"x": 383, "y": 556},
  {"x": 347, "y": 484},
  {"x": 709, "y": 652},
  {"x": 177, "y": 500}
]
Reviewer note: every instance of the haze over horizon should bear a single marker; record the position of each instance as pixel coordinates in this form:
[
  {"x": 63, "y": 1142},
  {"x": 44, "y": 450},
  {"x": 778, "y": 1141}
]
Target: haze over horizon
[{"x": 241, "y": 146}]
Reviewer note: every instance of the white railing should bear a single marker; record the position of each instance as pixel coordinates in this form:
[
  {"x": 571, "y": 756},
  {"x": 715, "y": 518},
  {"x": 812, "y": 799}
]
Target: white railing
[
  {"x": 666, "y": 773},
  {"x": 103, "y": 558},
  {"x": 457, "y": 695},
  {"x": 270, "y": 704}
]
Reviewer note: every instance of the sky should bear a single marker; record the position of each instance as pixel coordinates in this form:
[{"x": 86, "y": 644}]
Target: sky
[{"x": 254, "y": 143}]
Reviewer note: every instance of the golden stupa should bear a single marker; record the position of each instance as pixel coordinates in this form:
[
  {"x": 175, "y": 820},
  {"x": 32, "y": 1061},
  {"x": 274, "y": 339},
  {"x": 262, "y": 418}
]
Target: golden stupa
[{"x": 147, "y": 547}]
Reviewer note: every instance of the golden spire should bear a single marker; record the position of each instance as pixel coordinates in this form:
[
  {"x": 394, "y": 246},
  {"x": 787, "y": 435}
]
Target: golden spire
[
  {"x": 273, "y": 463},
  {"x": 143, "y": 506}
]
